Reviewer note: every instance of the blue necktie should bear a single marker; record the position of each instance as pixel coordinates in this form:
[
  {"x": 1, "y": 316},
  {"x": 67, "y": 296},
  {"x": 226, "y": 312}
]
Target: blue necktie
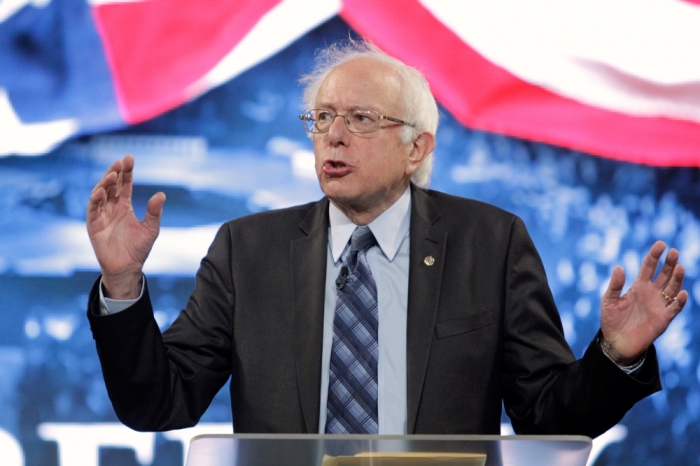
[{"x": 352, "y": 388}]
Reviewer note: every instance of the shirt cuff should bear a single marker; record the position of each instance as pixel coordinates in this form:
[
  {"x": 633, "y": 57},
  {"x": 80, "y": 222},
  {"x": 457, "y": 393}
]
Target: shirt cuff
[
  {"x": 632, "y": 369},
  {"x": 112, "y": 306}
]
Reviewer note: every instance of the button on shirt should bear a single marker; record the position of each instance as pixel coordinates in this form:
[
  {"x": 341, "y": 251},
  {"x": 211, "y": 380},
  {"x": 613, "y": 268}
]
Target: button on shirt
[{"x": 389, "y": 265}]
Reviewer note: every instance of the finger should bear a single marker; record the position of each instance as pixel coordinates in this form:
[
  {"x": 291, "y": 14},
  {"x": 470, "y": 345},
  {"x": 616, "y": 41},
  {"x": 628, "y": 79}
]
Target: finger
[
  {"x": 675, "y": 282},
  {"x": 651, "y": 261},
  {"x": 97, "y": 198},
  {"x": 100, "y": 193},
  {"x": 154, "y": 211},
  {"x": 681, "y": 299},
  {"x": 128, "y": 163},
  {"x": 667, "y": 270},
  {"x": 677, "y": 306},
  {"x": 116, "y": 167},
  {"x": 113, "y": 179},
  {"x": 617, "y": 282},
  {"x": 127, "y": 176},
  {"x": 109, "y": 178}
]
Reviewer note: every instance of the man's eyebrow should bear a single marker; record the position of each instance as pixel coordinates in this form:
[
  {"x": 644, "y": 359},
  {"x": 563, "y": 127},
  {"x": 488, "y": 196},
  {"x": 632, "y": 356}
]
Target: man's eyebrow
[{"x": 347, "y": 109}]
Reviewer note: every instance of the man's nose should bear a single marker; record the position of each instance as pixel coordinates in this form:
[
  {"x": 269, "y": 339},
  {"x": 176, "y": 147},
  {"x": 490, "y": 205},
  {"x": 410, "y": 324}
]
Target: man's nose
[{"x": 338, "y": 130}]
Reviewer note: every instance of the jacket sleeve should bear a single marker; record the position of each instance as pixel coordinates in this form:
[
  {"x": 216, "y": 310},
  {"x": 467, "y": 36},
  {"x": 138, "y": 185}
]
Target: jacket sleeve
[
  {"x": 159, "y": 382},
  {"x": 546, "y": 391}
]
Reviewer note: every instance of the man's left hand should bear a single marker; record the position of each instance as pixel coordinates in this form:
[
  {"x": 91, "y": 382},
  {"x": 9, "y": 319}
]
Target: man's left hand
[{"x": 631, "y": 322}]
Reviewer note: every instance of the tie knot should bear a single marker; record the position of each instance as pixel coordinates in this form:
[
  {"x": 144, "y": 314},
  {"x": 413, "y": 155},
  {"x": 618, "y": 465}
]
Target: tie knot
[{"x": 362, "y": 239}]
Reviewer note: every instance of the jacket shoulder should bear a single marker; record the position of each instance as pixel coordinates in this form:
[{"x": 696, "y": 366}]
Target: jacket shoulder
[{"x": 463, "y": 209}]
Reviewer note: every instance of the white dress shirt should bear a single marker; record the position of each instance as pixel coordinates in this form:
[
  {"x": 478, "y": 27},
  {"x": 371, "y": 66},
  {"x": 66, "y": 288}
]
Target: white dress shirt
[{"x": 389, "y": 265}]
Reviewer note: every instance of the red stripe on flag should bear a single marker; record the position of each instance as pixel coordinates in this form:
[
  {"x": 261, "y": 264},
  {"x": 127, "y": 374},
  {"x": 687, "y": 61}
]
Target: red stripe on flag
[
  {"x": 484, "y": 96},
  {"x": 158, "y": 48}
]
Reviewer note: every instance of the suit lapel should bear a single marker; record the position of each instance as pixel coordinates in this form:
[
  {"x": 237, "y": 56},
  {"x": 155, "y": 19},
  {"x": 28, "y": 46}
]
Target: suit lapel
[
  {"x": 427, "y": 241},
  {"x": 308, "y": 278}
]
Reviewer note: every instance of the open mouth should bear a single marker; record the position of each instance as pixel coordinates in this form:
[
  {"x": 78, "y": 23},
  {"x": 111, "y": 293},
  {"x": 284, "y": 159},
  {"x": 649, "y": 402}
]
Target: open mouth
[{"x": 335, "y": 168}]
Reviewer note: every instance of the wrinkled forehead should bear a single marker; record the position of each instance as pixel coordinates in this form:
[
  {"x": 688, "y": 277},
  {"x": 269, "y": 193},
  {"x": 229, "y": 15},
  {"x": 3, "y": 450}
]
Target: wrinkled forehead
[{"x": 361, "y": 83}]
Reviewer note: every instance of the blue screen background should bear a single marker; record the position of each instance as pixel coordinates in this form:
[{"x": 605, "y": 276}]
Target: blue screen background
[{"x": 240, "y": 149}]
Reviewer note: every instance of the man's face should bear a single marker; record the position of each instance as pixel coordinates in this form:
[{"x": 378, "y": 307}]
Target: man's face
[{"x": 363, "y": 173}]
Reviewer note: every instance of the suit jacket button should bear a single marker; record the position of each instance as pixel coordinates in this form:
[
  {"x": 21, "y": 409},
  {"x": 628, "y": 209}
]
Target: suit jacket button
[{"x": 429, "y": 260}]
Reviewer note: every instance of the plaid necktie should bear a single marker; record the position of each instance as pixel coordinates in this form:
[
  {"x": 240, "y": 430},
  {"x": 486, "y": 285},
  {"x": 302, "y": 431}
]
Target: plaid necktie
[{"x": 352, "y": 388}]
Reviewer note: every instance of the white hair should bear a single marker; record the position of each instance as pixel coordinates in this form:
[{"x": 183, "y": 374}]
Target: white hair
[{"x": 418, "y": 102}]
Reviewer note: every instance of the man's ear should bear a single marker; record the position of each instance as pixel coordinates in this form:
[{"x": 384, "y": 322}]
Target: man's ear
[{"x": 423, "y": 145}]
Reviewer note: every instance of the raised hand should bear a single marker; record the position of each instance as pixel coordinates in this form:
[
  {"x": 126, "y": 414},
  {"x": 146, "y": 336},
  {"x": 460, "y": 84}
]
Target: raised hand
[
  {"x": 630, "y": 323},
  {"x": 121, "y": 242}
]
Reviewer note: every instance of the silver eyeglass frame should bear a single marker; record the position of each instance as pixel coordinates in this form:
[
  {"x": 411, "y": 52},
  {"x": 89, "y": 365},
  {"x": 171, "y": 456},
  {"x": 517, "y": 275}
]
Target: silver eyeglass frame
[{"x": 306, "y": 119}]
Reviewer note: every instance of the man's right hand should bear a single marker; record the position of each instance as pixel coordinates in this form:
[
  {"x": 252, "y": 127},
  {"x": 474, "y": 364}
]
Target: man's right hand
[{"x": 121, "y": 242}]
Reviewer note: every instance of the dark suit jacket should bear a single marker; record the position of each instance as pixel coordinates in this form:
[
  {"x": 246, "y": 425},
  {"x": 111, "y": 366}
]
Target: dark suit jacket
[{"x": 482, "y": 328}]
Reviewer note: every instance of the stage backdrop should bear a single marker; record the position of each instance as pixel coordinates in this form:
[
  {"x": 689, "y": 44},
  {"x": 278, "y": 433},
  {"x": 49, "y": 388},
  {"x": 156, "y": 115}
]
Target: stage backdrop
[{"x": 581, "y": 117}]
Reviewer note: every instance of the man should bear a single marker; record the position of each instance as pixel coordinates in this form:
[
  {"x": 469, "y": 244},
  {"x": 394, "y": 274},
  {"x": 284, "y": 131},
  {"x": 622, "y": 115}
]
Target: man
[{"x": 453, "y": 312}]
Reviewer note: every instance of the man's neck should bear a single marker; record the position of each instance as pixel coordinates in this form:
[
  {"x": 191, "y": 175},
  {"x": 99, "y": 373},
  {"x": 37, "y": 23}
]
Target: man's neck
[
  {"x": 389, "y": 228},
  {"x": 361, "y": 215}
]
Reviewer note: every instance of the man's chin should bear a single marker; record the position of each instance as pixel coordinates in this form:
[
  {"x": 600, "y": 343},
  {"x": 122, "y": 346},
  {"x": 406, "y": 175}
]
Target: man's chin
[
  {"x": 332, "y": 187},
  {"x": 340, "y": 193}
]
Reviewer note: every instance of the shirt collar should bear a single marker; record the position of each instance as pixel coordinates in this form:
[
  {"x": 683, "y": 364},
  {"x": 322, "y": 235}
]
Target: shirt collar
[{"x": 390, "y": 228}]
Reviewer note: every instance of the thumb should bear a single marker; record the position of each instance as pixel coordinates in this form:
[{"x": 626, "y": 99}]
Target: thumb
[
  {"x": 617, "y": 282},
  {"x": 154, "y": 211}
]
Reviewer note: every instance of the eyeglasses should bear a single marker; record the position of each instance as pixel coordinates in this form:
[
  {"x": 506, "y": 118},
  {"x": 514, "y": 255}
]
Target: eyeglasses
[{"x": 319, "y": 120}]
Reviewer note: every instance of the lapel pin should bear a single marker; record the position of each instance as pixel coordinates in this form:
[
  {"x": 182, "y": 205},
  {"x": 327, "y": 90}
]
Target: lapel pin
[{"x": 429, "y": 260}]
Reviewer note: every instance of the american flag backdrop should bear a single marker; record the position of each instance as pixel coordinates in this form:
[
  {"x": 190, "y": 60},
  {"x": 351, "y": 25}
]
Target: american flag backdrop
[{"x": 615, "y": 78}]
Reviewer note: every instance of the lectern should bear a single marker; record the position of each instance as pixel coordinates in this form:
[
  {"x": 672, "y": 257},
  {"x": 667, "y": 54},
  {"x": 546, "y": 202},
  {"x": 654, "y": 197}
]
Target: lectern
[{"x": 387, "y": 450}]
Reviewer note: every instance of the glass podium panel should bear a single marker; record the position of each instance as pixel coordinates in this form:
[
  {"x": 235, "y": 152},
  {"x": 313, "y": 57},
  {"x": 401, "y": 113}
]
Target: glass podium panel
[{"x": 381, "y": 450}]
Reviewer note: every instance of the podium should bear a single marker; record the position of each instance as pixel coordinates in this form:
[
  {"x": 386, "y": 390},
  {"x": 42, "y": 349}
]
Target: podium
[{"x": 387, "y": 450}]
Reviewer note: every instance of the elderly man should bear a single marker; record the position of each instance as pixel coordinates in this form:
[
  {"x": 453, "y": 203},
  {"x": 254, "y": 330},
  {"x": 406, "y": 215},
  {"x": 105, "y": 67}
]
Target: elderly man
[{"x": 382, "y": 308}]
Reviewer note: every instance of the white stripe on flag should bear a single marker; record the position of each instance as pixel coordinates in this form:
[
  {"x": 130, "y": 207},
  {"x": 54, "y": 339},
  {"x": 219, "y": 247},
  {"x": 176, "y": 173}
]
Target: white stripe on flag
[
  {"x": 10, "y": 7},
  {"x": 280, "y": 26},
  {"x": 631, "y": 56},
  {"x": 30, "y": 138}
]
